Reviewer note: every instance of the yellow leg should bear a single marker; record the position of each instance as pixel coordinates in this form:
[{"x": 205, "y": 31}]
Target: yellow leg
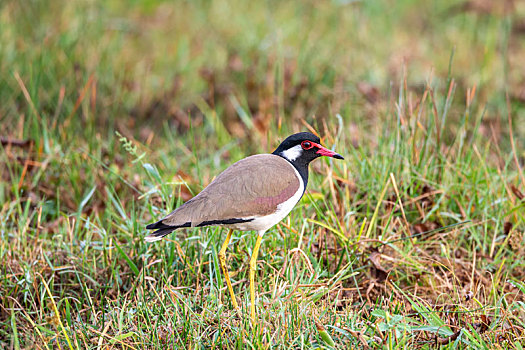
[
  {"x": 222, "y": 262},
  {"x": 253, "y": 266}
]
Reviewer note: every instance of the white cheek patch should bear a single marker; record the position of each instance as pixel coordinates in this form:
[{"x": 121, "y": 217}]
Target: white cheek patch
[{"x": 293, "y": 153}]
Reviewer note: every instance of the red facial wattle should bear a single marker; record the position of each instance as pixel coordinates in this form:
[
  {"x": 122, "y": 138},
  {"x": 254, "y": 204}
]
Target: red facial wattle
[{"x": 322, "y": 151}]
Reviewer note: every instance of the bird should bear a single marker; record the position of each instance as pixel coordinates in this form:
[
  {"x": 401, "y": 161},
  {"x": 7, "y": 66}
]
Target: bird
[{"x": 253, "y": 194}]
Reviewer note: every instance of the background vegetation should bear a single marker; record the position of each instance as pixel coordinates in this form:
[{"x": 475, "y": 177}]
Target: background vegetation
[{"x": 114, "y": 112}]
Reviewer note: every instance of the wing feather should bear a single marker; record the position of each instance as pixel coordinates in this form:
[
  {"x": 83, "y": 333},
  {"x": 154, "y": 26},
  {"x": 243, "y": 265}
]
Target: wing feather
[{"x": 253, "y": 186}]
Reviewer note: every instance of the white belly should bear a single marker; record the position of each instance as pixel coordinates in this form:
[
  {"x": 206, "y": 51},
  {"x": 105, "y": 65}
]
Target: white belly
[{"x": 263, "y": 223}]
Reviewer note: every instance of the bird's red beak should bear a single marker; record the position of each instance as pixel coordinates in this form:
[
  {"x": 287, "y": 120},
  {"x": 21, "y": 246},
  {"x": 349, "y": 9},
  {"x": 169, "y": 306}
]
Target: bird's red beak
[{"x": 326, "y": 152}]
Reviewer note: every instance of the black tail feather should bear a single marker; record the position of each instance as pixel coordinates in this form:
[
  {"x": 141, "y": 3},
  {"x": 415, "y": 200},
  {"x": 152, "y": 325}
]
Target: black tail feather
[
  {"x": 161, "y": 230},
  {"x": 157, "y": 225}
]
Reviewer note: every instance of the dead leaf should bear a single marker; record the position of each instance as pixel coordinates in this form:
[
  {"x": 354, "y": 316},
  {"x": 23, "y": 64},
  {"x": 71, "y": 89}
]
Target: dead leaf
[
  {"x": 507, "y": 226},
  {"x": 451, "y": 338},
  {"x": 517, "y": 192},
  {"x": 8, "y": 141},
  {"x": 378, "y": 271},
  {"x": 484, "y": 325}
]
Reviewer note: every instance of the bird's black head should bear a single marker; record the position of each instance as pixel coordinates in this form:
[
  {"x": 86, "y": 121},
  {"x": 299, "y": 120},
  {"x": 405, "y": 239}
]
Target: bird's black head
[{"x": 300, "y": 149}]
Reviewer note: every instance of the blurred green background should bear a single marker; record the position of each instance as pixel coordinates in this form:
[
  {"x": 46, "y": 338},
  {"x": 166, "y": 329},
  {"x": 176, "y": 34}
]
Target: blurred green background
[{"x": 164, "y": 63}]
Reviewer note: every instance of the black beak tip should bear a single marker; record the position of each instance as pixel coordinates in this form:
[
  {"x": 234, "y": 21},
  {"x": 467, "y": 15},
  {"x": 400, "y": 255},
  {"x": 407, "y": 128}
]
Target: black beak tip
[{"x": 338, "y": 156}]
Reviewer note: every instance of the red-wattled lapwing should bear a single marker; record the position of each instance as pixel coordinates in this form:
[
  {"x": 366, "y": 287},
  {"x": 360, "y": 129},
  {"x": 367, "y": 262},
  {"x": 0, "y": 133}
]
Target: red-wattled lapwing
[{"x": 253, "y": 194}]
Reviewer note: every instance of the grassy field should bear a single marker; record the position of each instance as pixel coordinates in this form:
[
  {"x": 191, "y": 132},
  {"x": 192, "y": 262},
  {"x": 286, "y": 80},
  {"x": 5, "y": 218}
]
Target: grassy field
[{"x": 112, "y": 113}]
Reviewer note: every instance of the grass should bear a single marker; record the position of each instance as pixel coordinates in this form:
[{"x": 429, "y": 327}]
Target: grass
[{"x": 113, "y": 113}]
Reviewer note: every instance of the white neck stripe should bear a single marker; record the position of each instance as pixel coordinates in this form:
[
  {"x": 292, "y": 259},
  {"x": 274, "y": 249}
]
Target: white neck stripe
[{"x": 292, "y": 153}]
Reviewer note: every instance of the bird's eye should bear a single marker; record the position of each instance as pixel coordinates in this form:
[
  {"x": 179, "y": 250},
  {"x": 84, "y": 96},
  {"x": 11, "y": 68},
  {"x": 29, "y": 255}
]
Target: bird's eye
[{"x": 306, "y": 145}]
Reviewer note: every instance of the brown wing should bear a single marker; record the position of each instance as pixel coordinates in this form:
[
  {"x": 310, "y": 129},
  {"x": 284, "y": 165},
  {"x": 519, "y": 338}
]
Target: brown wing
[{"x": 253, "y": 186}]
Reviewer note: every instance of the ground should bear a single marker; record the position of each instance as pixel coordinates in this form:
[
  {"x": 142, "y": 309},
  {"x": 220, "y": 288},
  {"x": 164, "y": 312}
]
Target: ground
[{"x": 113, "y": 113}]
